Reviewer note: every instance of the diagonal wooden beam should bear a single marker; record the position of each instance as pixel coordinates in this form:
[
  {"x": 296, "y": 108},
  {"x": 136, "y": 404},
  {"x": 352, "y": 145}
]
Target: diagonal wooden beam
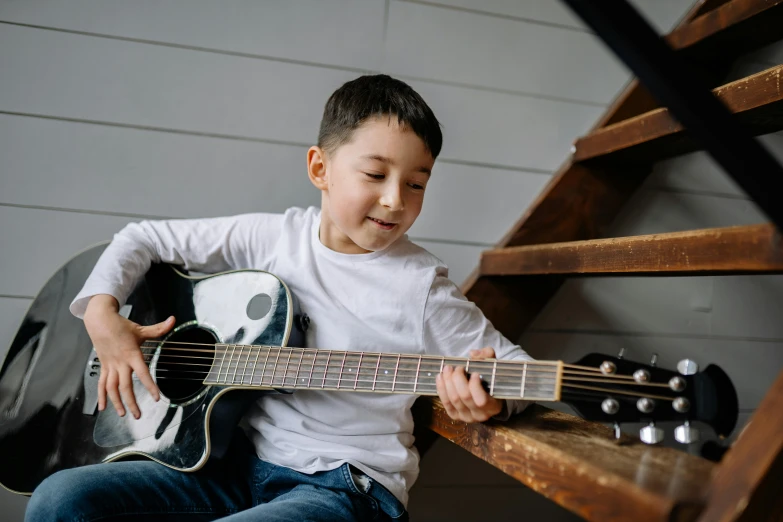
[
  {"x": 757, "y": 101},
  {"x": 746, "y": 485},
  {"x": 752, "y": 249}
]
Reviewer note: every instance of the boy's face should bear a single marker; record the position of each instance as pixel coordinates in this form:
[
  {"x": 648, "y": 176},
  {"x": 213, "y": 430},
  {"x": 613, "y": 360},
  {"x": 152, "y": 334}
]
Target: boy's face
[{"x": 372, "y": 188}]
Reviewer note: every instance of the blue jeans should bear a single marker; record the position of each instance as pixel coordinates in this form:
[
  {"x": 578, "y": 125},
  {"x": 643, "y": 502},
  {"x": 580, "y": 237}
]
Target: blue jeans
[{"x": 242, "y": 488}]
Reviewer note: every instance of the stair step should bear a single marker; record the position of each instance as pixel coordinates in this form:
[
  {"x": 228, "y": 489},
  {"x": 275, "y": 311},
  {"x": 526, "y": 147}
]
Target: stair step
[
  {"x": 757, "y": 102},
  {"x": 751, "y": 249},
  {"x": 711, "y": 40},
  {"x": 734, "y": 28}
]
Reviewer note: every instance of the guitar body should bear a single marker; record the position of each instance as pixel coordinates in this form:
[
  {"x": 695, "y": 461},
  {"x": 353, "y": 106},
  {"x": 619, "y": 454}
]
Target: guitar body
[{"x": 48, "y": 382}]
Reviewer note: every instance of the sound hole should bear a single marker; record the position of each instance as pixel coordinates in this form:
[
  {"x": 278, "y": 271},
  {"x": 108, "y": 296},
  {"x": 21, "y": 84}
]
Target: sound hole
[
  {"x": 184, "y": 362},
  {"x": 259, "y": 306}
]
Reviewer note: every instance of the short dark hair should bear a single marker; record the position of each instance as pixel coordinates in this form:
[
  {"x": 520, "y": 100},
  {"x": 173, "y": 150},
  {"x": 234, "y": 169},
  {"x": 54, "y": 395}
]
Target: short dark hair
[{"x": 378, "y": 95}]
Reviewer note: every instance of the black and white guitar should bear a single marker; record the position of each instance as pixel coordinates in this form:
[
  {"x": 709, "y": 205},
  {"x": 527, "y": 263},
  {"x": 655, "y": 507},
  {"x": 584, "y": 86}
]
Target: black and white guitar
[{"x": 232, "y": 337}]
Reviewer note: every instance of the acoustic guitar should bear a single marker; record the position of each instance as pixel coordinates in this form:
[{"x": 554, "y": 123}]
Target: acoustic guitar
[{"x": 237, "y": 335}]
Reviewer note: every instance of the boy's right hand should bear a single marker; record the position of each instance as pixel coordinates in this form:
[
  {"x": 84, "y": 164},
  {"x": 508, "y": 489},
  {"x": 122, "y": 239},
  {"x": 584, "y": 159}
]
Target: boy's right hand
[{"x": 117, "y": 341}]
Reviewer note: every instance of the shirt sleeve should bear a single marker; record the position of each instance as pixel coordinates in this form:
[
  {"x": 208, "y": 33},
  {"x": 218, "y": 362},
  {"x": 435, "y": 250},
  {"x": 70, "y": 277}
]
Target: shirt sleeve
[
  {"x": 453, "y": 326},
  {"x": 202, "y": 245}
]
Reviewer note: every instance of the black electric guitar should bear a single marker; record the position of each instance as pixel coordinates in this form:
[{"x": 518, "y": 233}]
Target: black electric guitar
[{"x": 232, "y": 334}]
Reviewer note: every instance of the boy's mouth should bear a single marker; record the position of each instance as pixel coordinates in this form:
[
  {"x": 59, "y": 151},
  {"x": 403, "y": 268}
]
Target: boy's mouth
[{"x": 382, "y": 224}]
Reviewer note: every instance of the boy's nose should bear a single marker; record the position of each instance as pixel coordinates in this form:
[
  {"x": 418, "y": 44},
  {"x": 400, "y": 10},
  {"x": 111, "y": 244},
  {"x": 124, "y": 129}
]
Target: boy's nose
[{"x": 392, "y": 199}]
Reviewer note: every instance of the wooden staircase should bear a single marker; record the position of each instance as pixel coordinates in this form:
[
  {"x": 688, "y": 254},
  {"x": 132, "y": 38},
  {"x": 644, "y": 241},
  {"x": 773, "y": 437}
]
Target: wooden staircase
[{"x": 579, "y": 464}]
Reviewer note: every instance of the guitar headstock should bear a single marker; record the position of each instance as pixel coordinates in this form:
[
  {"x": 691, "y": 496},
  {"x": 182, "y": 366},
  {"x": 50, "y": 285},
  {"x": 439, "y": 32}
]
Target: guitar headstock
[{"x": 611, "y": 389}]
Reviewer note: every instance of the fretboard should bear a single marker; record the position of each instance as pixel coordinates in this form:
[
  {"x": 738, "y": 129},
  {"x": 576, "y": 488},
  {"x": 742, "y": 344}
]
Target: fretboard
[{"x": 307, "y": 368}]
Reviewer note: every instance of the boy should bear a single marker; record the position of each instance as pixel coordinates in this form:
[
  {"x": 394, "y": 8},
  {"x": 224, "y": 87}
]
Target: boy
[{"x": 320, "y": 455}]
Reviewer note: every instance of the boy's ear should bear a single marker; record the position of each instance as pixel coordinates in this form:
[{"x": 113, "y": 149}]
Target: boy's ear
[{"x": 316, "y": 167}]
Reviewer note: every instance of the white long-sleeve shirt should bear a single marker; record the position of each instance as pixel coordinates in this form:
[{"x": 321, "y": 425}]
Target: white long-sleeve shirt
[{"x": 396, "y": 300}]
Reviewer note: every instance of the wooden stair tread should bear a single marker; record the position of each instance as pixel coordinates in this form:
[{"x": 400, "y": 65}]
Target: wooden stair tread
[
  {"x": 757, "y": 101},
  {"x": 735, "y": 27},
  {"x": 713, "y": 34},
  {"x": 714, "y": 251},
  {"x": 580, "y": 466}
]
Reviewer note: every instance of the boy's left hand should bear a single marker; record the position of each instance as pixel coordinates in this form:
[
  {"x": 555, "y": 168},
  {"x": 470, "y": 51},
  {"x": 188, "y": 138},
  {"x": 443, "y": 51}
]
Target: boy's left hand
[{"x": 464, "y": 399}]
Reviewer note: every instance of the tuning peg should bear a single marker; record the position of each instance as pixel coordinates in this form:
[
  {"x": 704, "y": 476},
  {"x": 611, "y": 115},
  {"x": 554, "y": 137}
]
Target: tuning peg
[
  {"x": 685, "y": 434},
  {"x": 617, "y": 432},
  {"x": 641, "y": 376},
  {"x": 681, "y": 404},
  {"x": 608, "y": 367},
  {"x": 687, "y": 367},
  {"x": 610, "y": 406},
  {"x": 650, "y": 434},
  {"x": 622, "y": 352},
  {"x": 645, "y": 405},
  {"x": 677, "y": 383},
  {"x": 654, "y": 359}
]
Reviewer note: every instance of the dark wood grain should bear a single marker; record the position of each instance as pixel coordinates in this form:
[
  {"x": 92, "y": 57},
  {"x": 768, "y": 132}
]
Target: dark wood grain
[
  {"x": 747, "y": 482},
  {"x": 730, "y": 30},
  {"x": 579, "y": 203},
  {"x": 757, "y": 101},
  {"x": 580, "y": 466},
  {"x": 752, "y": 249},
  {"x": 712, "y": 35}
]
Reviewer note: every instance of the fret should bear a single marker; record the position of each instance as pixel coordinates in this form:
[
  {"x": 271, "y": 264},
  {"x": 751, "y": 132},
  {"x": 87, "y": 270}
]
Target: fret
[
  {"x": 266, "y": 359},
  {"x": 326, "y": 368},
  {"x": 274, "y": 368},
  {"x": 524, "y": 376},
  {"x": 381, "y": 381},
  {"x": 230, "y": 358},
  {"x": 312, "y": 367},
  {"x": 396, "y": 368},
  {"x": 244, "y": 370},
  {"x": 467, "y": 366},
  {"x": 255, "y": 365},
  {"x": 358, "y": 370},
  {"x": 234, "y": 375},
  {"x": 375, "y": 377},
  {"x": 285, "y": 370},
  {"x": 222, "y": 360},
  {"x": 342, "y": 365},
  {"x": 239, "y": 361},
  {"x": 494, "y": 371},
  {"x": 430, "y": 380},
  {"x": 299, "y": 367},
  {"x": 416, "y": 382}
]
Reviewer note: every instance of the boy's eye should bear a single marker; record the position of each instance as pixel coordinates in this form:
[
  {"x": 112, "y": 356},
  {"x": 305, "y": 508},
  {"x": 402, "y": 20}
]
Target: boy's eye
[
  {"x": 416, "y": 186},
  {"x": 375, "y": 176}
]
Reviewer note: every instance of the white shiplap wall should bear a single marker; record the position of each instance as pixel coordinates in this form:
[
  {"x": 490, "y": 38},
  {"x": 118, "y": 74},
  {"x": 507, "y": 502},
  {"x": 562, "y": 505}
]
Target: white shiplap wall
[{"x": 113, "y": 111}]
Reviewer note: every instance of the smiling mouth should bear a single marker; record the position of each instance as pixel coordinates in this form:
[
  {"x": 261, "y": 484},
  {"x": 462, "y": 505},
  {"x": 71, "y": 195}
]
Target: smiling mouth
[{"x": 382, "y": 224}]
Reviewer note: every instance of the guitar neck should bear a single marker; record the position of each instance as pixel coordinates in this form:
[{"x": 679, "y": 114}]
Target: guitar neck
[{"x": 307, "y": 368}]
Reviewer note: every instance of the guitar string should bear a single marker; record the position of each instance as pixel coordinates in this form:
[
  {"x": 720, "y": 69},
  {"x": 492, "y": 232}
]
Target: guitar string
[
  {"x": 498, "y": 389},
  {"x": 319, "y": 369},
  {"x": 425, "y": 360},
  {"x": 500, "y": 384},
  {"x": 155, "y": 344},
  {"x": 296, "y": 375}
]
